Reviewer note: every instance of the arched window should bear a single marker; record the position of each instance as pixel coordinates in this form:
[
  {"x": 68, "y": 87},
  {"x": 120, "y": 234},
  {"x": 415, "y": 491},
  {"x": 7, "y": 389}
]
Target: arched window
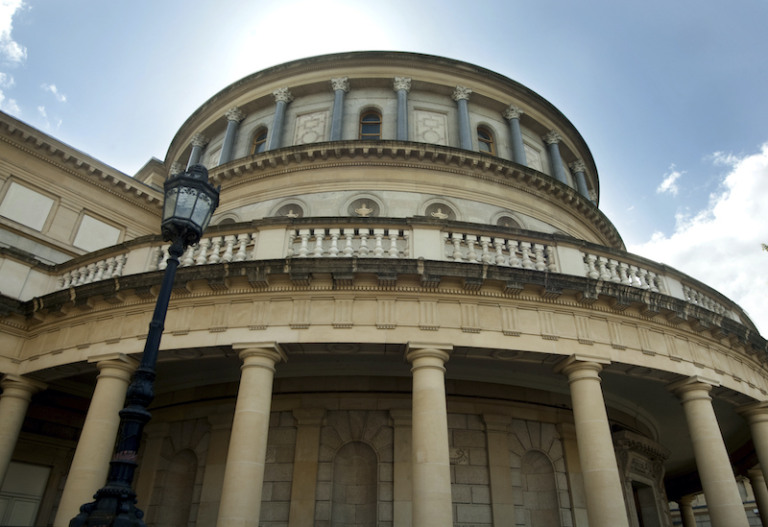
[
  {"x": 370, "y": 125},
  {"x": 485, "y": 140},
  {"x": 259, "y": 141}
]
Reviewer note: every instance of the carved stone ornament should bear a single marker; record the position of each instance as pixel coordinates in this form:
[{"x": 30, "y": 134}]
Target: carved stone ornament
[
  {"x": 199, "y": 140},
  {"x": 461, "y": 93},
  {"x": 512, "y": 112},
  {"x": 176, "y": 167},
  {"x": 439, "y": 214},
  {"x": 364, "y": 211},
  {"x": 340, "y": 83},
  {"x": 234, "y": 114},
  {"x": 282, "y": 94},
  {"x": 578, "y": 166},
  {"x": 402, "y": 83},
  {"x": 552, "y": 137}
]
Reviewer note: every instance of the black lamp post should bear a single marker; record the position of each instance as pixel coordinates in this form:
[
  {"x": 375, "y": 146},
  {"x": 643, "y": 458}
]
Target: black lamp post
[{"x": 189, "y": 203}]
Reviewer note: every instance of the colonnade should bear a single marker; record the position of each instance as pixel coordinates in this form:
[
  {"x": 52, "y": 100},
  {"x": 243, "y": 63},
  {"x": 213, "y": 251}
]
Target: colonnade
[
  {"x": 402, "y": 87},
  {"x": 421, "y": 462}
]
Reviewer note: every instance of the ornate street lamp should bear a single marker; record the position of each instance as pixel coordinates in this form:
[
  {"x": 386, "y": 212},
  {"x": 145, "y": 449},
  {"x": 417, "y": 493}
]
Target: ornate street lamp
[{"x": 189, "y": 203}]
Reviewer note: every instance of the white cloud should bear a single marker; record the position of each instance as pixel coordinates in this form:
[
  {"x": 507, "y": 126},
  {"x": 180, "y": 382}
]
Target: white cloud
[
  {"x": 9, "y": 105},
  {"x": 42, "y": 112},
  {"x": 670, "y": 181},
  {"x": 721, "y": 245},
  {"x": 55, "y": 91},
  {"x": 10, "y": 49},
  {"x": 6, "y": 81}
]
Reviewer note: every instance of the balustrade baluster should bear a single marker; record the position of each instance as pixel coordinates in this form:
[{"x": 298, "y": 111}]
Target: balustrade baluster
[
  {"x": 613, "y": 268},
  {"x": 525, "y": 249},
  {"x": 485, "y": 242},
  {"x": 162, "y": 261},
  {"x": 333, "y": 252},
  {"x": 393, "y": 236},
  {"x": 304, "y": 248},
  {"x": 119, "y": 264},
  {"x": 471, "y": 254},
  {"x": 623, "y": 274},
  {"x": 100, "y": 266},
  {"x": 363, "y": 251},
  {"x": 498, "y": 244},
  {"x": 551, "y": 261},
  {"x": 514, "y": 252},
  {"x": 602, "y": 263},
  {"x": 215, "y": 257},
  {"x": 242, "y": 245},
  {"x": 457, "y": 238},
  {"x": 319, "y": 236},
  {"x": 202, "y": 252},
  {"x": 633, "y": 279},
  {"x": 538, "y": 251},
  {"x": 589, "y": 262},
  {"x": 654, "y": 282},
  {"x": 378, "y": 249},
  {"x": 110, "y": 270},
  {"x": 349, "y": 250},
  {"x": 229, "y": 248},
  {"x": 65, "y": 280}
]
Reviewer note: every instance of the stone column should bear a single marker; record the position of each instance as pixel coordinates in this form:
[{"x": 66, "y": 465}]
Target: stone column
[
  {"x": 552, "y": 139},
  {"x": 686, "y": 510},
  {"x": 282, "y": 98},
  {"x": 402, "y": 469},
  {"x": 244, "y": 473},
  {"x": 215, "y": 462},
  {"x": 402, "y": 86},
  {"x": 502, "y": 501},
  {"x": 233, "y": 116},
  {"x": 720, "y": 489},
  {"x": 432, "y": 502},
  {"x": 602, "y": 483},
  {"x": 305, "y": 463},
  {"x": 757, "y": 480},
  {"x": 340, "y": 88},
  {"x": 512, "y": 115},
  {"x": 90, "y": 465},
  {"x": 198, "y": 143},
  {"x": 579, "y": 170},
  {"x": 461, "y": 96},
  {"x": 14, "y": 401},
  {"x": 757, "y": 416}
]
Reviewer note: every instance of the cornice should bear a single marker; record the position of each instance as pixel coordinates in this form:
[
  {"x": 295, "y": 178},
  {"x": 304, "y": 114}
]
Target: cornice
[{"x": 37, "y": 144}]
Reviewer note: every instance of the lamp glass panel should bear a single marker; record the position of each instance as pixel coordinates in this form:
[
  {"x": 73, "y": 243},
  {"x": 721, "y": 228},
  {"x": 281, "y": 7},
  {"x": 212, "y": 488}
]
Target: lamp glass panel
[
  {"x": 170, "y": 203},
  {"x": 185, "y": 202},
  {"x": 202, "y": 212}
]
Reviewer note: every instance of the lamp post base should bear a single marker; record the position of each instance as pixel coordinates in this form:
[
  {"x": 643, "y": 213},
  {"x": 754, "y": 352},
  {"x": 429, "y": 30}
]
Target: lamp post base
[{"x": 114, "y": 507}]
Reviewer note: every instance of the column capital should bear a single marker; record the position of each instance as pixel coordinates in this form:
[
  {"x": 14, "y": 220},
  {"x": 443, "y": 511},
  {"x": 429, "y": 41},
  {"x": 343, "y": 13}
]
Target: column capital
[
  {"x": 199, "y": 140},
  {"x": 512, "y": 112},
  {"x": 28, "y": 387},
  {"x": 309, "y": 416},
  {"x": 552, "y": 137},
  {"x": 686, "y": 501},
  {"x": 578, "y": 166},
  {"x": 282, "y": 95},
  {"x": 581, "y": 366},
  {"x": 269, "y": 350},
  {"x": 756, "y": 473},
  {"x": 754, "y": 412},
  {"x": 461, "y": 93},
  {"x": 692, "y": 388},
  {"x": 419, "y": 350},
  {"x": 340, "y": 83},
  {"x": 234, "y": 114},
  {"x": 402, "y": 83}
]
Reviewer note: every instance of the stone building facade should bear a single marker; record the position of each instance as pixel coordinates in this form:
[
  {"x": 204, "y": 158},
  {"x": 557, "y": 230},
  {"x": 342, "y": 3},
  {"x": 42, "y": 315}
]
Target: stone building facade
[{"x": 409, "y": 311}]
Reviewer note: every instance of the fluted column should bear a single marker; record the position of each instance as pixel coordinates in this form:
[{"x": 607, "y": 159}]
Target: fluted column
[
  {"x": 512, "y": 115},
  {"x": 90, "y": 464},
  {"x": 198, "y": 143},
  {"x": 720, "y": 489},
  {"x": 233, "y": 116},
  {"x": 579, "y": 170},
  {"x": 402, "y": 493},
  {"x": 402, "y": 86},
  {"x": 282, "y": 98},
  {"x": 244, "y": 473},
  {"x": 14, "y": 401},
  {"x": 502, "y": 492},
  {"x": 305, "y": 464},
  {"x": 340, "y": 88},
  {"x": 602, "y": 484},
  {"x": 757, "y": 480},
  {"x": 686, "y": 510},
  {"x": 757, "y": 416},
  {"x": 552, "y": 139},
  {"x": 461, "y": 96},
  {"x": 432, "y": 503}
]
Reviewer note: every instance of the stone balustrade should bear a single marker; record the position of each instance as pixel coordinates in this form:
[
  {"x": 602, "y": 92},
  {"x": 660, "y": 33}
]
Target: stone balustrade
[{"x": 396, "y": 239}]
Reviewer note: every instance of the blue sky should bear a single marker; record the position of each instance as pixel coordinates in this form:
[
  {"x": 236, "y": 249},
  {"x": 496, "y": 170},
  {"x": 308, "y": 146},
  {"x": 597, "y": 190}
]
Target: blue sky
[{"x": 671, "y": 96}]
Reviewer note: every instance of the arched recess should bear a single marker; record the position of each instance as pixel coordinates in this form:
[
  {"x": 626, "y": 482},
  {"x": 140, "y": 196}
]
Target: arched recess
[
  {"x": 178, "y": 488},
  {"x": 539, "y": 490},
  {"x": 355, "y": 487}
]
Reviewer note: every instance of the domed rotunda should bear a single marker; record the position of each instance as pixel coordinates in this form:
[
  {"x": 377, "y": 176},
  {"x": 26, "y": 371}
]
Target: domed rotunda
[{"x": 408, "y": 311}]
